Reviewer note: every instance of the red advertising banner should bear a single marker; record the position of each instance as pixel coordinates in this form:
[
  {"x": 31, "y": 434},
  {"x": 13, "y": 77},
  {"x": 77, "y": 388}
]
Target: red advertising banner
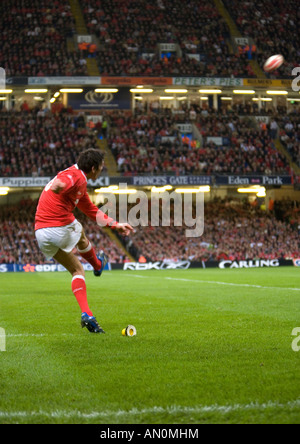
[{"x": 133, "y": 81}]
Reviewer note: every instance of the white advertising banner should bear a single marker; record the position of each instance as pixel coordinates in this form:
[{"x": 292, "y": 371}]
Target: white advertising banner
[{"x": 64, "y": 80}]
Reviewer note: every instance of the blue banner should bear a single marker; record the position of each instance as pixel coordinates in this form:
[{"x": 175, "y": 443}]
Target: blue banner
[
  {"x": 159, "y": 265},
  {"x": 253, "y": 180},
  {"x": 90, "y": 100},
  {"x": 168, "y": 180},
  {"x": 41, "y": 268}
]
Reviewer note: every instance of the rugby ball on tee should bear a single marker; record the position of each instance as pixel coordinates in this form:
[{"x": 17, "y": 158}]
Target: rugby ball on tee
[{"x": 273, "y": 63}]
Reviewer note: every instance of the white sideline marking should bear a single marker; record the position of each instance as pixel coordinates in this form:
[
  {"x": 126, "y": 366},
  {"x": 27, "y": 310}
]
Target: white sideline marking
[
  {"x": 139, "y": 276},
  {"x": 219, "y": 283},
  {"x": 37, "y": 335},
  {"x": 232, "y": 284},
  {"x": 173, "y": 410}
]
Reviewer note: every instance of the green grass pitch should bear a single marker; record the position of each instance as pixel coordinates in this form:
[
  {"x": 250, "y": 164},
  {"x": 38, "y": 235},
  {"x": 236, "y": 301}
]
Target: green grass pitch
[{"x": 212, "y": 346}]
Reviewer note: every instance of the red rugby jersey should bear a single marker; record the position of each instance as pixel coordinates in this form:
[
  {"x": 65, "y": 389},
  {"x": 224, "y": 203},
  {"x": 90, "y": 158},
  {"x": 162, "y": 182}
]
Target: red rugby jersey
[{"x": 56, "y": 210}]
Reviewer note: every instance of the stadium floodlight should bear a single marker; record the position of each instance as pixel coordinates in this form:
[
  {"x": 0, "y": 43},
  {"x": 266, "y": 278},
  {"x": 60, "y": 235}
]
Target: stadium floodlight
[
  {"x": 161, "y": 189},
  {"x": 36, "y": 91},
  {"x": 202, "y": 189},
  {"x": 277, "y": 93},
  {"x": 253, "y": 189},
  {"x": 210, "y": 91},
  {"x": 71, "y": 90},
  {"x": 263, "y": 99},
  {"x": 256, "y": 189},
  {"x": 176, "y": 91},
  {"x": 141, "y": 91},
  {"x": 4, "y": 191},
  {"x": 243, "y": 91},
  {"x": 106, "y": 90},
  {"x": 262, "y": 192},
  {"x": 109, "y": 189},
  {"x": 113, "y": 189}
]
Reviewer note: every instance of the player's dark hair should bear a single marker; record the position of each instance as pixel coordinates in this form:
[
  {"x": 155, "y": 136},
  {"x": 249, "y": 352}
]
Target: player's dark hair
[{"x": 90, "y": 158}]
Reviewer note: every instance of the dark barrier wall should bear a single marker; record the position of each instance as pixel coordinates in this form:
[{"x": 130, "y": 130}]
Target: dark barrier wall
[{"x": 167, "y": 265}]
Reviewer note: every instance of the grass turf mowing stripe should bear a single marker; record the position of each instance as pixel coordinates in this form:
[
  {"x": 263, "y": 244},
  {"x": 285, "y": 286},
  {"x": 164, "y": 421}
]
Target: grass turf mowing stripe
[
  {"x": 220, "y": 283},
  {"x": 212, "y": 345},
  {"x": 37, "y": 335},
  {"x": 172, "y": 410}
]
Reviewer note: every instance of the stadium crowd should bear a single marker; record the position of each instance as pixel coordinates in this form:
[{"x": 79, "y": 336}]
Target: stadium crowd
[
  {"x": 37, "y": 37},
  {"x": 289, "y": 134},
  {"x": 274, "y": 28},
  {"x": 129, "y": 33},
  {"x": 18, "y": 243},
  {"x": 233, "y": 230},
  {"x": 40, "y": 143},
  {"x": 34, "y": 36},
  {"x": 37, "y": 40},
  {"x": 152, "y": 144}
]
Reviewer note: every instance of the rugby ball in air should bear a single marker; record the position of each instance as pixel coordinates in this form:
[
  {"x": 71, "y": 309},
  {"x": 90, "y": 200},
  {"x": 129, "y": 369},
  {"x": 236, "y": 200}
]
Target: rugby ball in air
[{"x": 273, "y": 63}]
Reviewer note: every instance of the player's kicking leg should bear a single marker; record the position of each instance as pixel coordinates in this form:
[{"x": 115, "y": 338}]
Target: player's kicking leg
[
  {"x": 87, "y": 251},
  {"x": 73, "y": 265}
]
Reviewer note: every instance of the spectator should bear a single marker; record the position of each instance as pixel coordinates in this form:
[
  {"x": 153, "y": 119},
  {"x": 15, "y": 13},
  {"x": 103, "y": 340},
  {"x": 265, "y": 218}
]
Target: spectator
[
  {"x": 289, "y": 134},
  {"x": 34, "y": 39},
  {"x": 41, "y": 143},
  {"x": 25, "y": 106},
  {"x": 234, "y": 230},
  {"x": 273, "y": 27},
  {"x": 129, "y": 36},
  {"x": 152, "y": 144},
  {"x": 92, "y": 50},
  {"x": 18, "y": 243},
  {"x": 273, "y": 129}
]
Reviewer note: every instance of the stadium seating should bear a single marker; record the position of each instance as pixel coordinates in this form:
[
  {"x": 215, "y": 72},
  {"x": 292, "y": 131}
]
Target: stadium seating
[
  {"x": 40, "y": 143},
  {"x": 37, "y": 37},
  {"x": 34, "y": 39},
  {"x": 18, "y": 243},
  {"x": 272, "y": 26},
  {"x": 144, "y": 144},
  {"x": 37, "y": 40},
  {"x": 129, "y": 33},
  {"x": 289, "y": 134},
  {"x": 234, "y": 230},
  {"x": 152, "y": 144}
]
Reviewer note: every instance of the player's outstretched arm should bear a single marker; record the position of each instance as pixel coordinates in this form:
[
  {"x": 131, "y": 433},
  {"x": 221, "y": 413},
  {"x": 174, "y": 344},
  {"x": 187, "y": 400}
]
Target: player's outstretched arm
[
  {"x": 124, "y": 229},
  {"x": 103, "y": 220}
]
